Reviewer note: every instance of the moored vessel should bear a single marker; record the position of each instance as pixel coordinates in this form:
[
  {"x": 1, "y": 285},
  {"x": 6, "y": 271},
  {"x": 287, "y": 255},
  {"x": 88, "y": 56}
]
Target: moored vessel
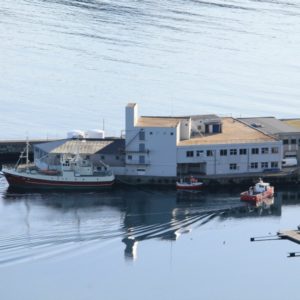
[
  {"x": 190, "y": 183},
  {"x": 73, "y": 172},
  {"x": 260, "y": 191}
]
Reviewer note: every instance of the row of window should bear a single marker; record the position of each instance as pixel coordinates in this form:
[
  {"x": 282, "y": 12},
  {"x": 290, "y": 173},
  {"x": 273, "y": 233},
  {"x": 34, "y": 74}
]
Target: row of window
[
  {"x": 254, "y": 165},
  {"x": 142, "y": 134},
  {"x": 102, "y": 157},
  {"x": 141, "y": 158},
  {"x": 225, "y": 152},
  {"x": 291, "y": 142}
]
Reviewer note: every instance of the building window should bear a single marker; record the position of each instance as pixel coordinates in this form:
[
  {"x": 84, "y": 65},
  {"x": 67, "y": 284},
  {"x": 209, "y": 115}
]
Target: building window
[
  {"x": 285, "y": 142},
  {"x": 172, "y": 133},
  {"x": 233, "y": 152},
  {"x": 299, "y": 142},
  {"x": 232, "y": 166},
  {"x": 293, "y": 141},
  {"x": 254, "y": 165},
  {"x": 264, "y": 150},
  {"x": 255, "y": 150},
  {"x": 264, "y": 165},
  {"x": 274, "y": 164},
  {"x": 141, "y": 159},
  {"x": 129, "y": 157},
  {"x": 102, "y": 157},
  {"x": 243, "y": 151},
  {"x": 223, "y": 152},
  {"x": 141, "y": 147},
  {"x": 209, "y": 153},
  {"x": 117, "y": 157},
  {"x": 189, "y": 153},
  {"x": 150, "y": 132},
  {"x": 199, "y": 152},
  {"x": 275, "y": 150},
  {"x": 142, "y": 135}
]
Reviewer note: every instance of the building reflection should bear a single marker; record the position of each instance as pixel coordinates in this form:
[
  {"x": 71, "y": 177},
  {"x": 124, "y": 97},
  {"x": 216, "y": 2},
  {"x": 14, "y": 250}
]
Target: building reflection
[{"x": 147, "y": 214}]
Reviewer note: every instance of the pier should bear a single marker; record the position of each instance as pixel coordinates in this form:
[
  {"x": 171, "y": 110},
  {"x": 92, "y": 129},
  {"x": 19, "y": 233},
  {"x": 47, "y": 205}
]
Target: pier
[
  {"x": 10, "y": 149},
  {"x": 291, "y": 235}
]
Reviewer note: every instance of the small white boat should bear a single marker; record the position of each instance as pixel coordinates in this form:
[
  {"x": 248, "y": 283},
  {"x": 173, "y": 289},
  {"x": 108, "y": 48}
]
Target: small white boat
[{"x": 191, "y": 183}]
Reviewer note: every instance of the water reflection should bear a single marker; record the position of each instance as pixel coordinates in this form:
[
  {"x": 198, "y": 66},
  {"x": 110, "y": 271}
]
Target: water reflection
[{"x": 58, "y": 222}]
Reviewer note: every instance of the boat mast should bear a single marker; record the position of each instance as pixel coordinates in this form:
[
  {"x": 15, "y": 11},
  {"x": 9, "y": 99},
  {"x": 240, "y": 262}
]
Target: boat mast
[{"x": 27, "y": 151}]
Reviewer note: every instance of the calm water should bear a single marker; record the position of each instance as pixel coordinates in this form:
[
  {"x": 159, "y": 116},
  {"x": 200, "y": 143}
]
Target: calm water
[
  {"x": 145, "y": 244},
  {"x": 69, "y": 64}
]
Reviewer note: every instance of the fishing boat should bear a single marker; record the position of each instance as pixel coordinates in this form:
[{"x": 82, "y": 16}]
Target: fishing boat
[
  {"x": 257, "y": 193},
  {"x": 190, "y": 183},
  {"x": 73, "y": 172}
]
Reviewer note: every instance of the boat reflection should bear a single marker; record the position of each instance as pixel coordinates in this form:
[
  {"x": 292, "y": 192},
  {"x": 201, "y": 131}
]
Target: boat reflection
[{"x": 138, "y": 214}]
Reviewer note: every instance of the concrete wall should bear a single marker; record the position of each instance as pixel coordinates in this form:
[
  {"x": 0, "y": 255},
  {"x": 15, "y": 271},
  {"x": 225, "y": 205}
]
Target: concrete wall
[
  {"x": 131, "y": 115},
  {"x": 185, "y": 129},
  {"x": 155, "y": 155},
  {"x": 159, "y": 155},
  {"x": 218, "y": 164},
  {"x": 290, "y": 149}
]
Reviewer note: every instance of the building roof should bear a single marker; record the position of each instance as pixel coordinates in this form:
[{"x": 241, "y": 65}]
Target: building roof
[
  {"x": 269, "y": 125},
  {"x": 206, "y": 118},
  {"x": 158, "y": 121},
  {"x": 103, "y": 146},
  {"x": 117, "y": 146},
  {"x": 233, "y": 132},
  {"x": 292, "y": 122}
]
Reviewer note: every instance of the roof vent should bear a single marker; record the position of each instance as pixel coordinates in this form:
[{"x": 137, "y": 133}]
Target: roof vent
[{"x": 256, "y": 125}]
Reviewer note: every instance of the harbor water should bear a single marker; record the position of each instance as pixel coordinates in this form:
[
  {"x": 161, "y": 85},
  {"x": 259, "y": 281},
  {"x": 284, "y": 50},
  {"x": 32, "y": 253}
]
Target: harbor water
[
  {"x": 70, "y": 64},
  {"x": 75, "y": 64},
  {"x": 133, "y": 243}
]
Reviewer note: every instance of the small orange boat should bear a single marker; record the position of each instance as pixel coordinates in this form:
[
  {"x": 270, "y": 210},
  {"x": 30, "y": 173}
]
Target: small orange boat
[{"x": 260, "y": 191}]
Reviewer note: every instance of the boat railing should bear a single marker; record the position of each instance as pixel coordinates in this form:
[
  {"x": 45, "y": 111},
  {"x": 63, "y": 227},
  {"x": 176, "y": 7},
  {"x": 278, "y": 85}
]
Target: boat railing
[{"x": 102, "y": 173}]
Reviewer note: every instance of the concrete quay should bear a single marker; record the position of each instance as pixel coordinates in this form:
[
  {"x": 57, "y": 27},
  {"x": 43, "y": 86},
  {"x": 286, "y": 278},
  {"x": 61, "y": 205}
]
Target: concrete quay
[
  {"x": 289, "y": 176},
  {"x": 10, "y": 149}
]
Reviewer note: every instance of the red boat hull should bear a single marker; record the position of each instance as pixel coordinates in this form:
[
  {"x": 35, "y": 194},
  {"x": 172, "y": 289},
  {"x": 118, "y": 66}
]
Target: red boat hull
[
  {"x": 189, "y": 187},
  {"x": 25, "y": 182},
  {"x": 246, "y": 196}
]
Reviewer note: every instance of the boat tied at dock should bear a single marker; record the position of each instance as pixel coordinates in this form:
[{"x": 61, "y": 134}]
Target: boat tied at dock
[
  {"x": 74, "y": 171},
  {"x": 190, "y": 183}
]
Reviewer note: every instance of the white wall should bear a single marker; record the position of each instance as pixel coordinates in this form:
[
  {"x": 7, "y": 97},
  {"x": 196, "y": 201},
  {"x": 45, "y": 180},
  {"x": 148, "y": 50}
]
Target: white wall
[
  {"x": 185, "y": 129},
  {"x": 218, "y": 164},
  {"x": 160, "y": 154},
  {"x": 131, "y": 115}
]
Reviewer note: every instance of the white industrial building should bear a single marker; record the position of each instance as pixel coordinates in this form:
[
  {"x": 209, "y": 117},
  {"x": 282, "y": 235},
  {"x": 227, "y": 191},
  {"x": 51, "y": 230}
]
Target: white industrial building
[{"x": 198, "y": 145}]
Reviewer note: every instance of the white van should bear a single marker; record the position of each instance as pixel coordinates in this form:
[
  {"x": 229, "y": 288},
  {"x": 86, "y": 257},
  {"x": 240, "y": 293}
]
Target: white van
[{"x": 289, "y": 162}]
